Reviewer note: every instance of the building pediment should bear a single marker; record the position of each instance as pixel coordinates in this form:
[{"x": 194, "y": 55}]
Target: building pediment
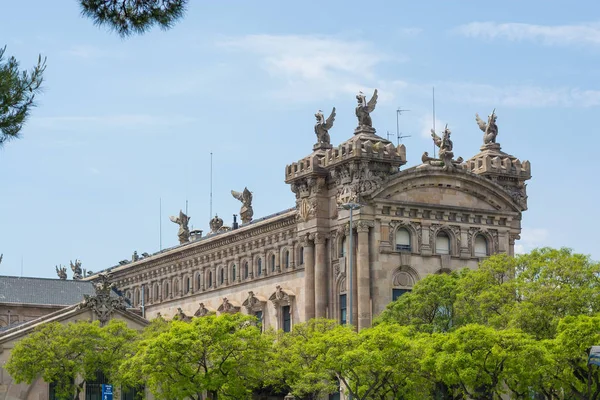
[{"x": 454, "y": 189}]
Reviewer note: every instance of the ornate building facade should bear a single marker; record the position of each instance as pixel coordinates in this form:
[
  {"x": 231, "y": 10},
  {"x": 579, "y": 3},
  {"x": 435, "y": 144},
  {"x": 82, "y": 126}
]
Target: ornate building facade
[{"x": 440, "y": 216}]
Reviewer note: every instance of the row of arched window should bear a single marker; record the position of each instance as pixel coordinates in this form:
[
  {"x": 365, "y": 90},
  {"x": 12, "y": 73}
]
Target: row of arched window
[{"x": 442, "y": 244}]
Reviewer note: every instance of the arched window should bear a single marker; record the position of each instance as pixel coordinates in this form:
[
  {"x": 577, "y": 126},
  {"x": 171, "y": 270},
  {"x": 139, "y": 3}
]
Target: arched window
[
  {"x": 156, "y": 292},
  {"x": 221, "y": 276},
  {"x": 128, "y": 295},
  {"x": 246, "y": 272},
  {"x": 234, "y": 271},
  {"x": 187, "y": 284},
  {"x": 199, "y": 279},
  {"x": 166, "y": 289},
  {"x": 343, "y": 247},
  {"x": 403, "y": 240},
  {"x": 301, "y": 255},
  {"x": 286, "y": 258},
  {"x": 481, "y": 246},
  {"x": 176, "y": 286},
  {"x": 137, "y": 300},
  {"x": 442, "y": 243},
  {"x": 272, "y": 262},
  {"x": 210, "y": 280},
  {"x": 259, "y": 266}
]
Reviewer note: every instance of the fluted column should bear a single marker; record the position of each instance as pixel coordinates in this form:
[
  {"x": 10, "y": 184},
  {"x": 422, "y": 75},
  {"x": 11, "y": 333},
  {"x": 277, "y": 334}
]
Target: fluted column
[
  {"x": 309, "y": 278},
  {"x": 364, "y": 276},
  {"x": 320, "y": 277}
]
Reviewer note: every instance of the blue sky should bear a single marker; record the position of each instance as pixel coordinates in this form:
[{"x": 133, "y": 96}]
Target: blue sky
[{"x": 125, "y": 122}]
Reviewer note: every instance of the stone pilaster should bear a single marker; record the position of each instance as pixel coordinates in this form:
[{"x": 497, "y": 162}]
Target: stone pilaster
[
  {"x": 320, "y": 276},
  {"x": 309, "y": 278},
  {"x": 363, "y": 276}
]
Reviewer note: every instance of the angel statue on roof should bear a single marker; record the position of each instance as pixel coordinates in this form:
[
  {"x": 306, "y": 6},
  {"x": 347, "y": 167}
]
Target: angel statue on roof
[
  {"x": 184, "y": 232},
  {"x": 246, "y": 211}
]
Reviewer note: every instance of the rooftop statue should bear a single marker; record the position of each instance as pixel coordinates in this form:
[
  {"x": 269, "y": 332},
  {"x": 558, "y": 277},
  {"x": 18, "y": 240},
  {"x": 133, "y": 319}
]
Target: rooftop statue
[
  {"x": 76, "y": 268},
  {"x": 61, "y": 272},
  {"x": 322, "y": 128},
  {"x": 364, "y": 109},
  {"x": 446, "y": 155},
  {"x": 490, "y": 129},
  {"x": 184, "y": 231},
  {"x": 246, "y": 211}
]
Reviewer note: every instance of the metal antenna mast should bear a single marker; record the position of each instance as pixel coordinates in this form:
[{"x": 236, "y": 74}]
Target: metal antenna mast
[
  {"x": 211, "y": 167},
  {"x": 399, "y": 137},
  {"x": 433, "y": 99}
]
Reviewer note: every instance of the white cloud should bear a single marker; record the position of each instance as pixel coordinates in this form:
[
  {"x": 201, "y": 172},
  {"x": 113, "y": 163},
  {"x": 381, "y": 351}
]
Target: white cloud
[
  {"x": 580, "y": 34},
  {"x": 530, "y": 239},
  {"x": 518, "y": 96},
  {"x": 315, "y": 66},
  {"x": 427, "y": 125}
]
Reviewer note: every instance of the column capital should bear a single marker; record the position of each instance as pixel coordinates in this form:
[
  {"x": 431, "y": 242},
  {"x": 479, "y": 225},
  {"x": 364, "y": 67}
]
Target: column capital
[
  {"x": 319, "y": 238},
  {"x": 306, "y": 239},
  {"x": 363, "y": 226}
]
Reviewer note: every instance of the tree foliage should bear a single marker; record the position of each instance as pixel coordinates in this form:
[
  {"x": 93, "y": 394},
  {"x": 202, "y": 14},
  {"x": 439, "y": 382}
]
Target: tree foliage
[
  {"x": 17, "y": 94},
  {"x": 60, "y": 353},
  {"x": 127, "y": 17},
  {"x": 220, "y": 355}
]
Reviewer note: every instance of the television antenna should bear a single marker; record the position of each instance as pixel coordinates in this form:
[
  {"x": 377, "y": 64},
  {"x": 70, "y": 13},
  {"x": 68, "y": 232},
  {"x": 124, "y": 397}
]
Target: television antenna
[{"x": 399, "y": 136}]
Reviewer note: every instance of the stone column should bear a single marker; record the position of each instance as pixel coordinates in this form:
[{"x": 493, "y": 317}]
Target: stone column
[
  {"x": 354, "y": 288},
  {"x": 363, "y": 276},
  {"x": 309, "y": 278},
  {"x": 320, "y": 276}
]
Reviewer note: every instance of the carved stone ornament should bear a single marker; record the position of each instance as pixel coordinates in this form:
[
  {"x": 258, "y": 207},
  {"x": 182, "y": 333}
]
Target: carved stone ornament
[
  {"x": 246, "y": 211},
  {"x": 364, "y": 110},
  {"x": 227, "y": 307},
  {"x": 61, "y": 272},
  {"x": 202, "y": 311},
  {"x": 76, "y": 268},
  {"x": 184, "y": 232},
  {"x": 306, "y": 209},
  {"x": 322, "y": 128},
  {"x": 253, "y": 303},
  {"x": 281, "y": 297},
  {"x": 181, "y": 315},
  {"x": 489, "y": 129},
  {"x": 215, "y": 224},
  {"x": 103, "y": 304},
  {"x": 446, "y": 156}
]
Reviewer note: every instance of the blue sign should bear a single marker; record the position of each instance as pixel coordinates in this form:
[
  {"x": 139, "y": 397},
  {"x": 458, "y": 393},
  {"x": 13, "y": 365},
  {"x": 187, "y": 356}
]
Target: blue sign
[{"x": 107, "y": 393}]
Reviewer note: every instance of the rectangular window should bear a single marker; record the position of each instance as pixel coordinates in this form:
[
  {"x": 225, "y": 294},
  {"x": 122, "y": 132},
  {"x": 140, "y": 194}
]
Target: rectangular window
[
  {"x": 343, "y": 309},
  {"x": 93, "y": 388},
  {"x": 259, "y": 317},
  {"x": 132, "y": 394},
  {"x": 286, "y": 318},
  {"x": 398, "y": 292}
]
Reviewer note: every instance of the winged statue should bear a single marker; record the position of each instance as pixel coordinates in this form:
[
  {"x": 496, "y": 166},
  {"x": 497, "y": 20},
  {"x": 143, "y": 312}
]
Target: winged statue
[
  {"x": 364, "y": 109},
  {"x": 246, "y": 211},
  {"x": 323, "y": 126},
  {"x": 446, "y": 155},
  {"x": 184, "y": 232},
  {"x": 76, "y": 268},
  {"x": 61, "y": 272},
  {"x": 489, "y": 129}
]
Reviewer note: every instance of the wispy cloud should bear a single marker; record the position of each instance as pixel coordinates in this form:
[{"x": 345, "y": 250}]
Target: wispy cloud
[
  {"x": 427, "y": 124},
  {"x": 530, "y": 239},
  {"x": 580, "y": 34},
  {"x": 314, "y": 65}
]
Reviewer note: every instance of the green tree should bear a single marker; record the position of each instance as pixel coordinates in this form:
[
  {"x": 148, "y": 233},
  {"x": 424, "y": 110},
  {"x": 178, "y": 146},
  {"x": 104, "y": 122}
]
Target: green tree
[
  {"x": 17, "y": 94},
  {"x": 127, "y": 17},
  {"x": 429, "y": 307},
  {"x": 62, "y": 353},
  {"x": 219, "y": 355},
  {"x": 301, "y": 362}
]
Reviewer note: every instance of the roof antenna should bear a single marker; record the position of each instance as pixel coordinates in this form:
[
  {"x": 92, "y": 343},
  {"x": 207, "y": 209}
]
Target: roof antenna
[
  {"x": 433, "y": 99},
  {"x": 211, "y": 167},
  {"x": 399, "y": 137}
]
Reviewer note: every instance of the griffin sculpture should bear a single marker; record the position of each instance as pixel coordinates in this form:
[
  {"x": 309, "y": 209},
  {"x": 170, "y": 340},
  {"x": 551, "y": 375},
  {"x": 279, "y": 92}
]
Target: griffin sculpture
[
  {"x": 184, "y": 231},
  {"x": 446, "y": 155},
  {"x": 246, "y": 211},
  {"x": 323, "y": 126},
  {"x": 61, "y": 272},
  {"x": 76, "y": 268},
  {"x": 489, "y": 129},
  {"x": 364, "y": 109}
]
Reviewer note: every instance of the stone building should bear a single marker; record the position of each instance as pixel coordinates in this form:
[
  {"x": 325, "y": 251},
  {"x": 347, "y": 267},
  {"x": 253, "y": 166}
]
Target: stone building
[{"x": 442, "y": 215}]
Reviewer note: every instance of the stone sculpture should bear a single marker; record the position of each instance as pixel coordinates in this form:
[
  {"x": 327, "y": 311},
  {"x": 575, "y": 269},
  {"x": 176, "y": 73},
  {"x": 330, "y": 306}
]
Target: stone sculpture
[
  {"x": 322, "y": 128},
  {"x": 489, "y": 129},
  {"x": 76, "y": 268},
  {"x": 246, "y": 211},
  {"x": 184, "y": 231},
  {"x": 61, "y": 272},
  {"x": 215, "y": 224},
  {"x": 446, "y": 155},
  {"x": 364, "y": 110},
  {"x": 103, "y": 304}
]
